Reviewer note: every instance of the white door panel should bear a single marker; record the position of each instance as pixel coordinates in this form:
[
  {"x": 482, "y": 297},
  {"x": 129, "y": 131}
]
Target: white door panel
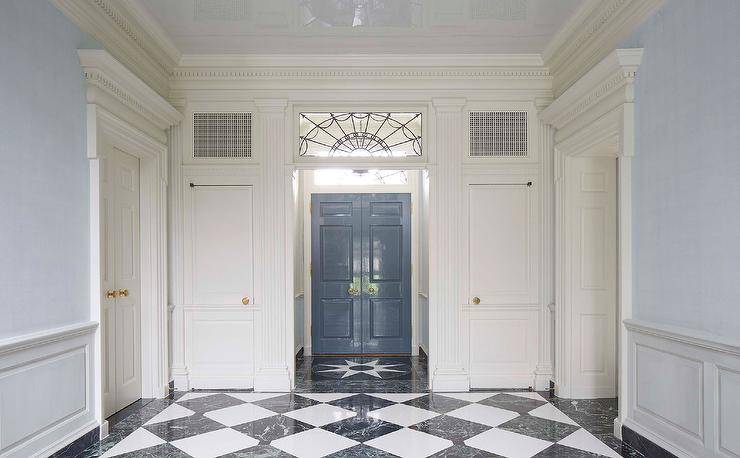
[
  {"x": 502, "y": 244},
  {"x": 121, "y": 315},
  {"x": 591, "y": 294},
  {"x": 220, "y": 252}
]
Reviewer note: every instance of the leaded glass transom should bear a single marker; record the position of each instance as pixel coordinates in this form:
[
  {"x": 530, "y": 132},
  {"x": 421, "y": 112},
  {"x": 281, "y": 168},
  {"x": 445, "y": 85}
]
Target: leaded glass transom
[{"x": 360, "y": 134}]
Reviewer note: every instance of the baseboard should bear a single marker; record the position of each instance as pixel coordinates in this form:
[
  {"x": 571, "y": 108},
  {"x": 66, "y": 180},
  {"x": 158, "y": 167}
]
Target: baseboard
[
  {"x": 617, "y": 428},
  {"x": 220, "y": 382},
  {"x": 497, "y": 381},
  {"x": 451, "y": 382},
  {"x": 75, "y": 447},
  {"x": 645, "y": 445},
  {"x": 272, "y": 381}
]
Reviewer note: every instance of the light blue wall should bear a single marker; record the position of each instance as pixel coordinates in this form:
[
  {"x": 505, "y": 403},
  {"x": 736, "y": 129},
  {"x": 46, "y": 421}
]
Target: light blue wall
[
  {"x": 44, "y": 273},
  {"x": 686, "y": 172}
]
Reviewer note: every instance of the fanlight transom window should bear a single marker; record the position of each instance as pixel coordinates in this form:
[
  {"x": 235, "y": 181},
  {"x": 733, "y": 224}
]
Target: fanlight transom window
[{"x": 360, "y": 134}]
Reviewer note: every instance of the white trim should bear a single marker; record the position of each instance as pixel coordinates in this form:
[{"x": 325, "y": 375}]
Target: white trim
[
  {"x": 130, "y": 33},
  {"x": 595, "y": 116},
  {"x": 122, "y": 112},
  {"x": 591, "y": 33},
  {"x": 45, "y": 337},
  {"x": 685, "y": 335}
]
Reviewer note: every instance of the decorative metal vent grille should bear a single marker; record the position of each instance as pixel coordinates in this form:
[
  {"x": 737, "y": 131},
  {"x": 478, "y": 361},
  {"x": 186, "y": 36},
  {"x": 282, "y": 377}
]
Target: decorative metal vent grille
[
  {"x": 502, "y": 10},
  {"x": 498, "y": 134},
  {"x": 222, "y": 135},
  {"x": 221, "y": 10}
]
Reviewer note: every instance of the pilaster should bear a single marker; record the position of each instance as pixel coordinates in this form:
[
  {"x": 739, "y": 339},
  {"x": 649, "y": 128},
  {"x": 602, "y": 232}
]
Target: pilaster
[
  {"x": 448, "y": 363},
  {"x": 272, "y": 373}
]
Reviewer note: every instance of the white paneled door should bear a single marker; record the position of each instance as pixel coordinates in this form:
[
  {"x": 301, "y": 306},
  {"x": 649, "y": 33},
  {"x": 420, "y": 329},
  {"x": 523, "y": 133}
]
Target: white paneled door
[
  {"x": 501, "y": 280},
  {"x": 591, "y": 270},
  {"x": 121, "y": 306}
]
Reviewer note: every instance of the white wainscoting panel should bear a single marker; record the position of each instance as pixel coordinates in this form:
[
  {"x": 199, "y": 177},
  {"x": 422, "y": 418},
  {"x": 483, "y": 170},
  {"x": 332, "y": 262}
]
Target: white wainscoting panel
[
  {"x": 220, "y": 347},
  {"x": 503, "y": 347},
  {"x": 684, "y": 390},
  {"x": 46, "y": 397}
]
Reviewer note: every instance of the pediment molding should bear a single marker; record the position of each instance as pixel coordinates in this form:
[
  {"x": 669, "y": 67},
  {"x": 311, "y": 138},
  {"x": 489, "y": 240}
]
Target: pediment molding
[
  {"x": 605, "y": 87},
  {"x": 105, "y": 75}
]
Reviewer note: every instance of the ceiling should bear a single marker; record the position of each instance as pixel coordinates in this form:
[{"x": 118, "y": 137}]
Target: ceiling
[{"x": 360, "y": 26}]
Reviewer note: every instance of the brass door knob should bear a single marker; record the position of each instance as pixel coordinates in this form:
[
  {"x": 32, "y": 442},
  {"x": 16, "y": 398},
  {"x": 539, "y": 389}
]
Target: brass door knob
[
  {"x": 111, "y": 294},
  {"x": 245, "y": 300},
  {"x": 476, "y": 300},
  {"x": 123, "y": 293},
  {"x": 352, "y": 291},
  {"x": 371, "y": 289}
]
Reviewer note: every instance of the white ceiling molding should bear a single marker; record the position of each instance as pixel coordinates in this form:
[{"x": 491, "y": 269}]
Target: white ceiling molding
[
  {"x": 597, "y": 28},
  {"x": 129, "y": 33},
  {"x": 307, "y": 71},
  {"x": 108, "y": 81},
  {"x": 605, "y": 87}
]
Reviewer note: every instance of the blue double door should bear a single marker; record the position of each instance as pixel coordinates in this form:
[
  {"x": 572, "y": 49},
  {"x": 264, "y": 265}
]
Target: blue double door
[{"x": 361, "y": 273}]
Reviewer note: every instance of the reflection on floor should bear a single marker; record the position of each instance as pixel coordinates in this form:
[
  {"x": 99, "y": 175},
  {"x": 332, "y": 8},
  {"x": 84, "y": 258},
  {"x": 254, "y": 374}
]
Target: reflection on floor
[
  {"x": 378, "y": 424},
  {"x": 398, "y": 374}
]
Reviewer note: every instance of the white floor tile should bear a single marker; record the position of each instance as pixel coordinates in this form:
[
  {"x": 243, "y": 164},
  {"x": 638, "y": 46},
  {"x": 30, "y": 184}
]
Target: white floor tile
[
  {"x": 141, "y": 438},
  {"x": 527, "y": 394},
  {"x": 403, "y": 415},
  {"x": 550, "y": 412},
  {"x": 408, "y": 443},
  {"x": 397, "y": 397},
  {"x": 215, "y": 443},
  {"x": 172, "y": 412},
  {"x": 320, "y": 414},
  {"x": 508, "y": 444},
  {"x": 325, "y": 397},
  {"x": 237, "y": 415},
  {"x": 190, "y": 396},
  {"x": 313, "y": 443},
  {"x": 584, "y": 440},
  {"x": 472, "y": 396},
  {"x": 485, "y": 415},
  {"x": 254, "y": 397}
]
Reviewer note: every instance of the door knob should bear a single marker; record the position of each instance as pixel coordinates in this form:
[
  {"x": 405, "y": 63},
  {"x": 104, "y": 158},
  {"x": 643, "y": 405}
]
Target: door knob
[
  {"x": 371, "y": 289},
  {"x": 111, "y": 294},
  {"x": 352, "y": 291},
  {"x": 123, "y": 293},
  {"x": 245, "y": 300},
  {"x": 476, "y": 300}
]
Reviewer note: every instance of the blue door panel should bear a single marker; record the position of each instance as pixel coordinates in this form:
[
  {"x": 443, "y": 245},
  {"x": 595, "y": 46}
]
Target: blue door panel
[{"x": 361, "y": 279}]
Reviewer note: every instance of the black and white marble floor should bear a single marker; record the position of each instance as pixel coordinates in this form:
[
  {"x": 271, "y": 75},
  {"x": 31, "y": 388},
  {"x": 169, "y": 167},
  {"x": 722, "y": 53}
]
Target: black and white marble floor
[
  {"x": 401, "y": 374},
  {"x": 377, "y": 424}
]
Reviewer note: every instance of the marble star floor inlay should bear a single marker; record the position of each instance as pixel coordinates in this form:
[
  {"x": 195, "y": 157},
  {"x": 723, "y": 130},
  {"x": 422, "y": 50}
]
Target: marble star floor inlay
[{"x": 378, "y": 424}]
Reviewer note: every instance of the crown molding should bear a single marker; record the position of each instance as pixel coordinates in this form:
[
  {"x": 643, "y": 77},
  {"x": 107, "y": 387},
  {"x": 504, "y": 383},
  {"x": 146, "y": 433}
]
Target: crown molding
[
  {"x": 298, "y": 71},
  {"x": 129, "y": 33},
  {"x": 594, "y": 30},
  {"x": 104, "y": 74},
  {"x": 606, "y": 86}
]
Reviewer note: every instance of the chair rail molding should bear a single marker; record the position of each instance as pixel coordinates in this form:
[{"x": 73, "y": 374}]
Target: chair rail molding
[
  {"x": 131, "y": 34},
  {"x": 592, "y": 32},
  {"x": 667, "y": 363},
  {"x": 123, "y": 112},
  {"x": 595, "y": 117},
  {"x": 48, "y": 390}
]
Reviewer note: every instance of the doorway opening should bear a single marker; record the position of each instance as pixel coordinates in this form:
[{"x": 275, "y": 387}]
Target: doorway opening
[{"x": 361, "y": 279}]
